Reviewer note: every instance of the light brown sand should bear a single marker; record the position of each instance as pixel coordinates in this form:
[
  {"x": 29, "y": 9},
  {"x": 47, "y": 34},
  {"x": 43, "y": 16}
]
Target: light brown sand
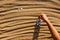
[{"x": 19, "y": 24}]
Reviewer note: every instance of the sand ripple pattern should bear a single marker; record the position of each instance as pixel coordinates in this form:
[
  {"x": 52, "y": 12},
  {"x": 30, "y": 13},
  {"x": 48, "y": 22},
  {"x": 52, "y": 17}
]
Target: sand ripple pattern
[{"x": 18, "y": 24}]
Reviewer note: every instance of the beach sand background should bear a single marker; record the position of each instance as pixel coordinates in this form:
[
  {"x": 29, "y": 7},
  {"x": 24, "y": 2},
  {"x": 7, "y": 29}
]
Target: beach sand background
[{"x": 18, "y": 24}]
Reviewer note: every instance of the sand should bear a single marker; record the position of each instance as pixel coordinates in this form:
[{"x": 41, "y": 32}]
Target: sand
[{"x": 18, "y": 18}]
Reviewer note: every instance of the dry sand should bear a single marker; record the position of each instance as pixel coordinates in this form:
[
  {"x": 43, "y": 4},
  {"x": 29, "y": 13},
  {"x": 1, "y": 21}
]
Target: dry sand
[{"x": 16, "y": 24}]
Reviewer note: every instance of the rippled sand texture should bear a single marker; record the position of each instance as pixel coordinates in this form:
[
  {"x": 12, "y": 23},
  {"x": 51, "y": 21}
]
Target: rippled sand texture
[{"x": 16, "y": 24}]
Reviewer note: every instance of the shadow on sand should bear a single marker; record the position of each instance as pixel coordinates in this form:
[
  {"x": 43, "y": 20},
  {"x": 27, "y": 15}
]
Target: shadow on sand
[{"x": 36, "y": 32}]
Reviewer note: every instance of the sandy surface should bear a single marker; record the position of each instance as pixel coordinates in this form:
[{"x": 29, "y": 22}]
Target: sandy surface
[{"x": 16, "y": 24}]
